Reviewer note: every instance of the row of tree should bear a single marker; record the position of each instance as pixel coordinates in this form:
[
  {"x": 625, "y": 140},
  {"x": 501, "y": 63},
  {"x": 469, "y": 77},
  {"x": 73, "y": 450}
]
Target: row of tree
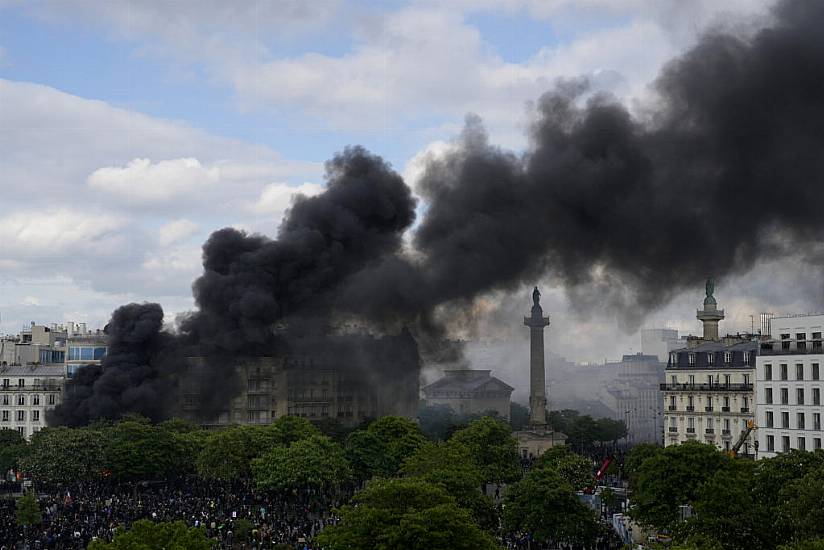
[
  {"x": 736, "y": 504},
  {"x": 420, "y": 493}
]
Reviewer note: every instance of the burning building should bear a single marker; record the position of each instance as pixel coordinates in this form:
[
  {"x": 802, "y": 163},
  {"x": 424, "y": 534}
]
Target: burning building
[{"x": 348, "y": 378}]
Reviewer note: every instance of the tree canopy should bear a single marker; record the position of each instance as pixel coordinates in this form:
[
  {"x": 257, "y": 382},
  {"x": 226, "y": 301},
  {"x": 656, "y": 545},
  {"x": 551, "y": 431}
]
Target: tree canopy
[
  {"x": 404, "y": 513},
  {"x": 316, "y": 462},
  {"x": 147, "y": 535},
  {"x": 493, "y": 448}
]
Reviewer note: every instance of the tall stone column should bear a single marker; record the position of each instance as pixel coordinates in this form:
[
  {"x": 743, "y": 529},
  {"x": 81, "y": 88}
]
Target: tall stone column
[{"x": 537, "y": 372}]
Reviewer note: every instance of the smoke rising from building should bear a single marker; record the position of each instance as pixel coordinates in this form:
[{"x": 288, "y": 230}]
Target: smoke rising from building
[{"x": 724, "y": 169}]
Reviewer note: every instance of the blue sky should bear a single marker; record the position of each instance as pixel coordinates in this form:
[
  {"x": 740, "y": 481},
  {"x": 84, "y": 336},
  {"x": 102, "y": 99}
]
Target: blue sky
[{"x": 132, "y": 129}]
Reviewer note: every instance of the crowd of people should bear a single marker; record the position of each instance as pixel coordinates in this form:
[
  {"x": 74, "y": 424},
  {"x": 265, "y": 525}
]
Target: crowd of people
[{"x": 236, "y": 515}]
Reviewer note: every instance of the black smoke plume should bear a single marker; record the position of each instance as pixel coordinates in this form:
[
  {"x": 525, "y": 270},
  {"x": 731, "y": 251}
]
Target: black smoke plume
[{"x": 724, "y": 169}]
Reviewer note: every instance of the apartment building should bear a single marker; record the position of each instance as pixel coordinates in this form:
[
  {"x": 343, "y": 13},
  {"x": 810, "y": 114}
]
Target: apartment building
[
  {"x": 26, "y": 393},
  {"x": 789, "y": 385},
  {"x": 708, "y": 394},
  {"x": 635, "y": 396}
]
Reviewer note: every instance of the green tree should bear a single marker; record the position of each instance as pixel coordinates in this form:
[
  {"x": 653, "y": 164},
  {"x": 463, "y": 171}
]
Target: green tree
[
  {"x": 815, "y": 544},
  {"x": 451, "y": 466},
  {"x": 801, "y": 504},
  {"x": 573, "y": 468},
  {"x": 637, "y": 455},
  {"x": 136, "y": 450},
  {"x": 544, "y": 504},
  {"x": 227, "y": 453},
  {"x": 404, "y": 513},
  {"x": 383, "y": 446},
  {"x": 12, "y": 446},
  {"x": 775, "y": 477},
  {"x": 366, "y": 452},
  {"x": 437, "y": 421},
  {"x": 316, "y": 462},
  {"x": 492, "y": 447},
  {"x": 724, "y": 510},
  {"x": 146, "y": 535},
  {"x": 28, "y": 510},
  {"x": 671, "y": 478},
  {"x": 64, "y": 455},
  {"x": 288, "y": 429}
]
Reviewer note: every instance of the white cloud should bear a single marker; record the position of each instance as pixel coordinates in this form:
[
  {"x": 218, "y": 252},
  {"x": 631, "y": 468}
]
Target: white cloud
[
  {"x": 36, "y": 233},
  {"x": 143, "y": 181},
  {"x": 276, "y": 198},
  {"x": 175, "y": 231}
]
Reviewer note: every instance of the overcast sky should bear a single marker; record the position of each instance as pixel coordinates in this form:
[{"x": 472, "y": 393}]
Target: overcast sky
[{"x": 132, "y": 129}]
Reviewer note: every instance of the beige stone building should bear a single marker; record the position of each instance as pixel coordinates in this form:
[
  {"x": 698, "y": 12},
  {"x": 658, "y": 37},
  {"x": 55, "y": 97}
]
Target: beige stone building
[
  {"x": 316, "y": 382},
  {"x": 26, "y": 393},
  {"x": 469, "y": 391},
  {"x": 708, "y": 392}
]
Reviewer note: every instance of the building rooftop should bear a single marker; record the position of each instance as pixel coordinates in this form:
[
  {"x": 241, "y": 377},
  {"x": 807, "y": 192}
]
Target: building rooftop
[
  {"x": 466, "y": 380},
  {"x": 32, "y": 370}
]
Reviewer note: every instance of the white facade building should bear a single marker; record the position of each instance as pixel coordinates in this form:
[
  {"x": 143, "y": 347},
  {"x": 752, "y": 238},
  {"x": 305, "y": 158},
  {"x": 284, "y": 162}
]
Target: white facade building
[
  {"x": 26, "y": 393},
  {"x": 789, "y": 386},
  {"x": 709, "y": 393}
]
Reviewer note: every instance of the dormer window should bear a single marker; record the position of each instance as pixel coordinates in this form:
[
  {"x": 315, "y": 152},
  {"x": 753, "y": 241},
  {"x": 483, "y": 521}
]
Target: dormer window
[
  {"x": 710, "y": 358},
  {"x": 746, "y": 358},
  {"x": 673, "y": 359},
  {"x": 727, "y": 357},
  {"x": 692, "y": 359}
]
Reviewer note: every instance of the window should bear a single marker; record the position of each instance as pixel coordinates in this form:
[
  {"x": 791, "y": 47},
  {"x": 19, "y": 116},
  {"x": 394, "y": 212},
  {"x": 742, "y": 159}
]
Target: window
[
  {"x": 767, "y": 372},
  {"x": 802, "y": 444},
  {"x": 692, "y": 359},
  {"x": 6, "y": 382},
  {"x": 35, "y": 416},
  {"x": 815, "y": 371},
  {"x": 770, "y": 443},
  {"x": 692, "y": 379},
  {"x": 769, "y": 419},
  {"x": 801, "y": 340},
  {"x": 709, "y": 380},
  {"x": 690, "y": 401},
  {"x": 709, "y": 402},
  {"x": 691, "y": 423},
  {"x": 785, "y": 396},
  {"x": 727, "y": 425},
  {"x": 21, "y": 399},
  {"x": 726, "y": 403},
  {"x": 22, "y": 431},
  {"x": 785, "y": 419},
  {"x": 746, "y": 379},
  {"x": 799, "y": 396},
  {"x": 745, "y": 404},
  {"x": 5, "y": 399},
  {"x": 817, "y": 443},
  {"x": 5, "y": 416},
  {"x": 785, "y": 341},
  {"x": 673, "y": 359},
  {"x": 727, "y": 357},
  {"x": 710, "y": 358},
  {"x": 672, "y": 402},
  {"x": 727, "y": 378},
  {"x": 709, "y": 424},
  {"x": 785, "y": 443},
  {"x": 800, "y": 424},
  {"x": 768, "y": 398},
  {"x": 674, "y": 379},
  {"x": 51, "y": 399},
  {"x": 784, "y": 372},
  {"x": 21, "y": 382},
  {"x": 35, "y": 399},
  {"x": 816, "y": 396},
  {"x": 746, "y": 358},
  {"x": 21, "y": 416},
  {"x": 816, "y": 421},
  {"x": 816, "y": 340},
  {"x": 799, "y": 371}
]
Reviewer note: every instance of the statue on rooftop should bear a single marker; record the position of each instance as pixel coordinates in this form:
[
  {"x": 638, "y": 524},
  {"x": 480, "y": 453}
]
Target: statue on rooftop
[
  {"x": 536, "y": 296},
  {"x": 710, "y": 287}
]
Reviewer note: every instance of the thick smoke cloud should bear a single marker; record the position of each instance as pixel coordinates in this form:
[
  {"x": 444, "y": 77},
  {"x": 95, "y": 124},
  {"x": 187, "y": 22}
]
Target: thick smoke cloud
[
  {"x": 724, "y": 169},
  {"x": 626, "y": 211}
]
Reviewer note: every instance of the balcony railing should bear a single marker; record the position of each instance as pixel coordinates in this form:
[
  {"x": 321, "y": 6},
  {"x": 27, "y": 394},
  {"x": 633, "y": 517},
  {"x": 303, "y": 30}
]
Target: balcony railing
[
  {"x": 690, "y": 430},
  {"x": 786, "y": 347},
  {"x": 745, "y": 409},
  {"x": 709, "y": 431},
  {"x": 708, "y": 409},
  {"x": 725, "y": 409},
  {"x": 725, "y": 433},
  {"x": 706, "y": 387},
  {"x": 690, "y": 408},
  {"x": 673, "y": 429},
  {"x": 673, "y": 407}
]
